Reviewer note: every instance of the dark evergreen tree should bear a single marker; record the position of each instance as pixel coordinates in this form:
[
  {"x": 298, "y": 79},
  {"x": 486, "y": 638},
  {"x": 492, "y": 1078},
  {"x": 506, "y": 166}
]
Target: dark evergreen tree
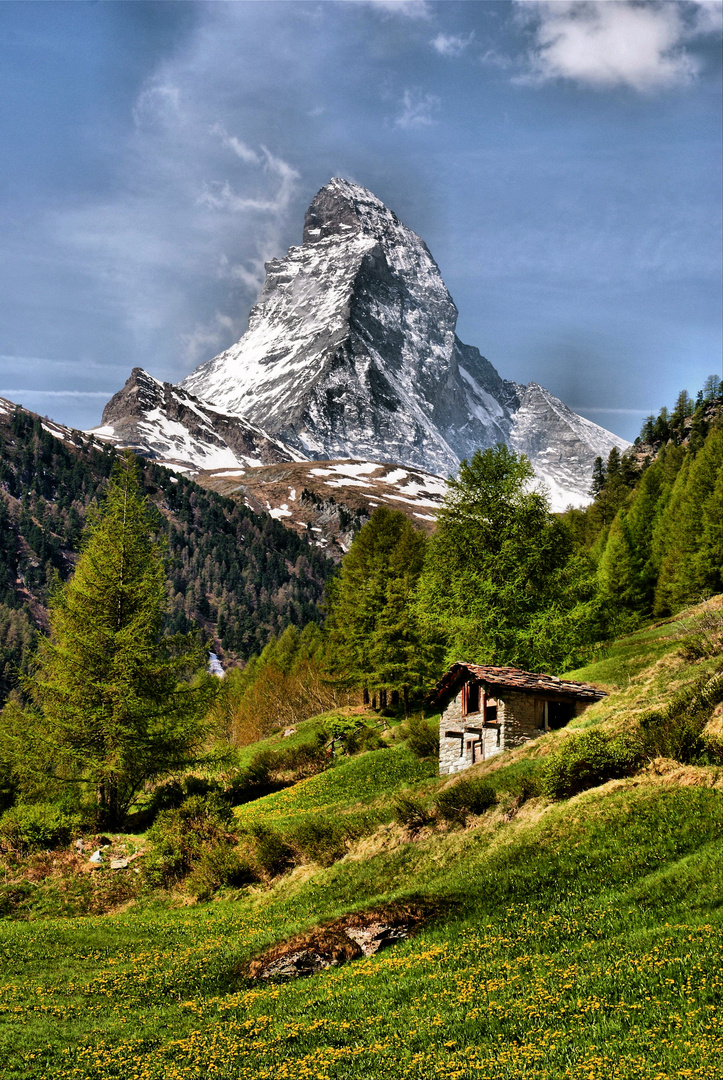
[
  {"x": 687, "y": 537},
  {"x": 369, "y": 601},
  {"x": 109, "y": 703}
]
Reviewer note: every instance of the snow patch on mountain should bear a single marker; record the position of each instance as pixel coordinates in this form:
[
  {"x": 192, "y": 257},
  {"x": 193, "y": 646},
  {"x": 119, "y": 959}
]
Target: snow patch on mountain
[
  {"x": 351, "y": 351},
  {"x": 179, "y": 430}
]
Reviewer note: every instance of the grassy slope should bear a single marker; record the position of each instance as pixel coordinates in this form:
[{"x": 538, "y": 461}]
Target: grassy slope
[{"x": 578, "y": 939}]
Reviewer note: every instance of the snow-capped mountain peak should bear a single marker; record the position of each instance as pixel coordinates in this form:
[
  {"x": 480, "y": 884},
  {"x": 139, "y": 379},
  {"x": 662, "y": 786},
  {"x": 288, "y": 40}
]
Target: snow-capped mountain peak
[{"x": 351, "y": 352}]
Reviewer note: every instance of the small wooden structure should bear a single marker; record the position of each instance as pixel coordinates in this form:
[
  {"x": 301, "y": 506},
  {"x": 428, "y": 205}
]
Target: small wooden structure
[{"x": 489, "y": 709}]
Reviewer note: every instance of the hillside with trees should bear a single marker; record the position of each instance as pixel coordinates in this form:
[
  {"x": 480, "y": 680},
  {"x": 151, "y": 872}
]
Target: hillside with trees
[
  {"x": 558, "y": 902},
  {"x": 238, "y": 577}
]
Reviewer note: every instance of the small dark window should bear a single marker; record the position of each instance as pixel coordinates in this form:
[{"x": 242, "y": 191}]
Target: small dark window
[
  {"x": 559, "y": 713},
  {"x": 491, "y": 714},
  {"x": 472, "y": 697}
]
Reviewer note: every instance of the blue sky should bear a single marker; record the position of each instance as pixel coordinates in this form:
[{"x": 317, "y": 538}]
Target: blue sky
[{"x": 561, "y": 160}]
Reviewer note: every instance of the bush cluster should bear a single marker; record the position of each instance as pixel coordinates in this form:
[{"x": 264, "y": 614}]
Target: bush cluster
[
  {"x": 590, "y": 758},
  {"x": 32, "y": 827},
  {"x": 677, "y": 730},
  {"x": 472, "y": 796},
  {"x": 183, "y": 836},
  {"x": 422, "y": 737},
  {"x": 453, "y": 805}
]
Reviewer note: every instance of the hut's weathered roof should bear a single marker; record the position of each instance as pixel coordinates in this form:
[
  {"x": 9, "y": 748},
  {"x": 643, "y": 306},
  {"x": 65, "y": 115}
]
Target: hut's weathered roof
[{"x": 514, "y": 679}]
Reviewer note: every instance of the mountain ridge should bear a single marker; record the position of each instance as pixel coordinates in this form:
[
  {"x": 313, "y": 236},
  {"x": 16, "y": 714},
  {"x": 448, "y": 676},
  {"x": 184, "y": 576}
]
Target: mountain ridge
[{"x": 351, "y": 352}]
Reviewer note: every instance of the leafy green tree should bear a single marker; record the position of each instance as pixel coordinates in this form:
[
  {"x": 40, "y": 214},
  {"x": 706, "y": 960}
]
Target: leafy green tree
[
  {"x": 109, "y": 705},
  {"x": 501, "y": 583}
]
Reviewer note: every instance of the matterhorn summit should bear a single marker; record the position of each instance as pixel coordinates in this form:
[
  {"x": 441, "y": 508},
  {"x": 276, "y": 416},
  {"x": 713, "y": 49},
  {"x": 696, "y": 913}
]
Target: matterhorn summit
[
  {"x": 351, "y": 348},
  {"x": 351, "y": 352}
]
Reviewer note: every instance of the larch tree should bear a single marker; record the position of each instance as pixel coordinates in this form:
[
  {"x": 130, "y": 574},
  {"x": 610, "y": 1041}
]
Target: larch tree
[
  {"x": 110, "y": 704},
  {"x": 501, "y": 583}
]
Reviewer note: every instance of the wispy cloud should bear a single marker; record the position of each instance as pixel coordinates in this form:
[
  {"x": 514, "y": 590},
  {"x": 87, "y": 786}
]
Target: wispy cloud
[
  {"x": 157, "y": 103},
  {"x": 221, "y": 195},
  {"x": 607, "y": 43},
  {"x": 239, "y": 148},
  {"x": 407, "y": 9},
  {"x": 207, "y": 337},
  {"x": 451, "y": 44},
  {"x": 417, "y": 109}
]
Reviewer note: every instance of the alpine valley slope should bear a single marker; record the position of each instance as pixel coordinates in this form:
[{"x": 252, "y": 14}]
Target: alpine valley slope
[{"x": 351, "y": 352}]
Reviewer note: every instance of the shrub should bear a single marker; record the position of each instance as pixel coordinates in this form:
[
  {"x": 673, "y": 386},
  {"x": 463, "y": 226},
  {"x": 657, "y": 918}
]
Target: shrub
[
  {"x": 30, "y": 827},
  {"x": 273, "y": 855},
  {"x": 220, "y": 865},
  {"x": 472, "y": 796},
  {"x": 180, "y": 838},
  {"x": 423, "y": 738},
  {"x": 362, "y": 738},
  {"x": 588, "y": 759},
  {"x": 16, "y": 897},
  {"x": 677, "y": 731},
  {"x": 320, "y": 840},
  {"x": 410, "y": 812},
  {"x": 173, "y": 793}
]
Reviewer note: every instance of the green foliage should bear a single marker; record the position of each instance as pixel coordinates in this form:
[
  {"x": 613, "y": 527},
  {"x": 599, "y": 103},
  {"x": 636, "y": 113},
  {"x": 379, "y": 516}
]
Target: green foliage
[
  {"x": 422, "y": 737},
  {"x": 590, "y": 758},
  {"x": 374, "y": 635},
  {"x": 654, "y": 529},
  {"x": 272, "y": 854},
  {"x": 30, "y": 827},
  {"x": 501, "y": 584},
  {"x": 467, "y": 796},
  {"x": 321, "y": 839},
  {"x": 687, "y": 541},
  {"x": 676, "y": 730},
  {"x": 217, "y": 866},
  {"x": 180, "y": 838},
  {"x": 411, "y": 812},
  {"x": 110, "y": 706}
]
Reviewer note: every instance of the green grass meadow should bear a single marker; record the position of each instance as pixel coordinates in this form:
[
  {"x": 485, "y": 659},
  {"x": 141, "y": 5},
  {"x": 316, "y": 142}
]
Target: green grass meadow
[{"x": 577, "y": 940}]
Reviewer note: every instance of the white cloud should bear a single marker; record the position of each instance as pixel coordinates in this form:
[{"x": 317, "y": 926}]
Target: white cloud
[
  {"x": 408, "y": 9},
  {"x": 451, "y": 44},
  {"x": 707, "y": 16},
  {"x": 418, "y": 109},
  {"x": 606, "y": 43},
  {"x": 207, "y": 338},
  {"x": 157, "y": 103},
  {"x": 239, "y": 148},
  {"x": 18, "y": 393}
]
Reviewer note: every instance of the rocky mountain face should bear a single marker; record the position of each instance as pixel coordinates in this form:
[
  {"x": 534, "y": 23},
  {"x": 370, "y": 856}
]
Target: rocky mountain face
[
  {"x": 328, "y": 501},
  {"x": 351, "y": 348},
  {"x": 167, "y": 424},
  {"x": 351, "y": 352}
]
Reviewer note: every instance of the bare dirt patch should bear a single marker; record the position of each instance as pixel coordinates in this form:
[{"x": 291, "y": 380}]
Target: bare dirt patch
[{"x": 361, "y": 933}]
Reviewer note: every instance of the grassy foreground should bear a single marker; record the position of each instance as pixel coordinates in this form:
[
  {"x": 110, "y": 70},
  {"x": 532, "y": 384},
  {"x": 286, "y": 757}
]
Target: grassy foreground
[{"x": 577, "y": 939}]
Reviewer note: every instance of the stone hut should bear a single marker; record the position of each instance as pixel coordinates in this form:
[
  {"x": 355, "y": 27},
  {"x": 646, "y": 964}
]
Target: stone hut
[{"x": 489, "y": 709}]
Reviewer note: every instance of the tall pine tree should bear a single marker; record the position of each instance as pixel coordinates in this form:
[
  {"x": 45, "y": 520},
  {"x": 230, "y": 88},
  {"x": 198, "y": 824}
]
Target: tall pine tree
[{"x": 109, "y": 701}]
